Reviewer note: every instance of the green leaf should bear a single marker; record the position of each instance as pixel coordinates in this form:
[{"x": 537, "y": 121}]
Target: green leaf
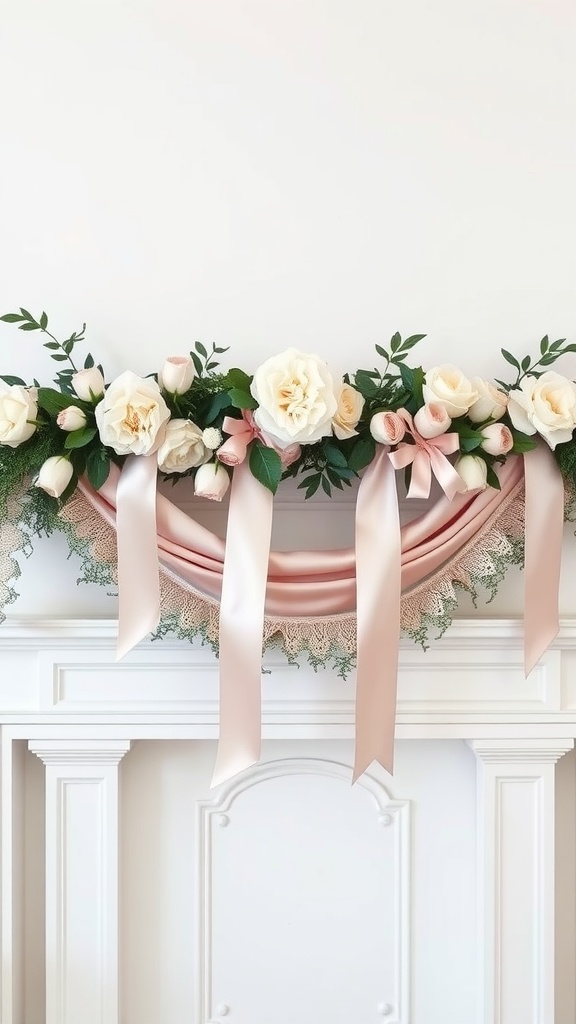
[
  {"x": 59, "y": 357},
  {"x": 44, "y": 321},
  {"x": 334, "y": 456},
  {"x": 382, "y": 352},
  {"x": 525, "y": 363},
  {"x": 52, "y": 345},
  {"x": 201, "y": 349},
  {"x": 334, "y": 478},
  {"x": 197, "y": 364},
  {"x": 88, "y": 362},
  {"x": 236, "y": 378},
  {"x": 362, "y": 453},
  {"x": 29, "y": 327},
  {"x": 417, "y": 385},
  {"x": 242, "y": 399},
  {"x": 79, "y": 438},
  {"x": 557, "y": 344},
  {"x": 68, "y": 346},
  {"x": 365, "y": 385},
  {"x": 26, "y": 314},
  {"x": 491, "y": 478},
  {"x": 220, "y": 401},
  {"x": 468, "y": 444},
  {"x": 395, "y": 343},
  {"x": 510, "y": 358},
  {"x": 409, "y": 343},
  {"x": 54, "y": 401},
  {"x": 326, "y": 486},
  {"x": 544, "y": 345},
  {"x": 98, "y": 468},
  {"x": 220, "y": 351},
  {"x": 12, "y": 318},
  {"x": 266, "y": 465},
  {"x": 522, "y": 443},
  {"x": 407, "y": 375},
  {"x": 12, "y": 380}
]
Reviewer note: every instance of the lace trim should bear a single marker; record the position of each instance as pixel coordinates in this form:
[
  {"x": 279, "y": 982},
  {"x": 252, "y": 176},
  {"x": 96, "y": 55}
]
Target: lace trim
[{"x": 426, "y": 608}]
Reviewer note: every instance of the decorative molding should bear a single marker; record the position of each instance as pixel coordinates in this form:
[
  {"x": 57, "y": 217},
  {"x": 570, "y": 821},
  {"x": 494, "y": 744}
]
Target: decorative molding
[
  {"x": 390, "y": 814},
  {"x": 81, "y": 781},
  {"x": 520, "y": 751}
]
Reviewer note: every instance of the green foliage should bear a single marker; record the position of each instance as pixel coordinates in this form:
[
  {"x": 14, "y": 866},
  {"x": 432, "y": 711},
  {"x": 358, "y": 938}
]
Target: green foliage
[{"x": 265, "y": 465}]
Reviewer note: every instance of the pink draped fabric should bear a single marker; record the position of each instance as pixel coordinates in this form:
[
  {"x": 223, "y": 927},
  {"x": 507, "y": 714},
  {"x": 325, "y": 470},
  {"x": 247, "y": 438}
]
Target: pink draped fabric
[{"x": 315, "y": 583}]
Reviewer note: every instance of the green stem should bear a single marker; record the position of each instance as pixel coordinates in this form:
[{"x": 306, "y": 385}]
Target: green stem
[{"x": 69, "y": 357}]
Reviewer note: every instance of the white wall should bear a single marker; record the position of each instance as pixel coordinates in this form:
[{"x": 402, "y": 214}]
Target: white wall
[{"x": 260, "y": 173}]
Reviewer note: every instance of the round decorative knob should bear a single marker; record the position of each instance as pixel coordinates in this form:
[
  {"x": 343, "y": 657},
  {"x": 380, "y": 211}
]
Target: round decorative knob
[
  {"x": 223, "y": 821},
  {"x": 385, "y": 1009},
  {"x": 223, "y": 1010},
  {"x": 385, "y": 820}
]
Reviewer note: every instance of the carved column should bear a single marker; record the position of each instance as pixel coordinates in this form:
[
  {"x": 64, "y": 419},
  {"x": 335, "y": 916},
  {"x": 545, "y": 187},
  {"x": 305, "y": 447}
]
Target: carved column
[
  {"x": 516, "y": 878},
  {"x": 81, "y": 878}
]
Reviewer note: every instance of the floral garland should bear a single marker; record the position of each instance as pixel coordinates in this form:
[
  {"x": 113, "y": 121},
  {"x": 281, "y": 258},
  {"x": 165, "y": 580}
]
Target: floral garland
[{"x": 290, "y": 419}]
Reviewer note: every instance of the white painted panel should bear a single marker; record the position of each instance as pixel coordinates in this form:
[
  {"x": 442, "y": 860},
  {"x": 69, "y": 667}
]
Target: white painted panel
[{"x": 300, "y": 877}]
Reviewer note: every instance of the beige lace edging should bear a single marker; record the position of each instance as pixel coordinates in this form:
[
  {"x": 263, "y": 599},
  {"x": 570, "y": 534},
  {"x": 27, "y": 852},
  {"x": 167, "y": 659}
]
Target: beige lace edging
[{"x": 480, "y": 561}]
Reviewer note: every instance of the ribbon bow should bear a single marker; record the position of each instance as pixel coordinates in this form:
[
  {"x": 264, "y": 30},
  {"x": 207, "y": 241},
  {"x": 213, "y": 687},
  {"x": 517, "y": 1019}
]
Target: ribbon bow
[{"x": 428, "y": 456}]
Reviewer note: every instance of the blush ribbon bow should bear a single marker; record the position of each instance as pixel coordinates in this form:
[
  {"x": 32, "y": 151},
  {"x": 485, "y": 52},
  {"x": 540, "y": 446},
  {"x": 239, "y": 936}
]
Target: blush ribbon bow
[{"x": 428, "y": 456}]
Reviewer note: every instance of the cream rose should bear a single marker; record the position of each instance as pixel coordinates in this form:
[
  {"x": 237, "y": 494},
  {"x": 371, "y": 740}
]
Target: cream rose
[
  {"x": 176, "y": 375},
  {"x": 473, "y": 471},
  {"x": 295, "y": 395},
  {"x": 387, "y": 427},
  {"x": 491, "y": 403},
  {"x": 55, "y": 475},
  {"x": 497, "y": 439},
  {"x": 432, "y": 420},
  {"x": 544, "y": 405},
  {"x": 132, "y": 416},
  {"x": 448, "y": 385},
  {"x": 71, "y": 418},
  {"x": 18, "y": 412},
  {"x": 211, "y": 481},
  {"x": 182, "y": 447},
  {"x": 349, "y": 410},
  {"x": 88, "y": 384}
]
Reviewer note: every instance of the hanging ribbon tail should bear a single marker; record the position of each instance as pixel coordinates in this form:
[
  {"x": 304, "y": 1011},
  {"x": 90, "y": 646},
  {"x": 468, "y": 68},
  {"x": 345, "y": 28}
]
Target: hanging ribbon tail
[
  {"x": 138, "y": 574},
  {"x": 378, "y": 590},
  {"x": 543, "y": 552},
  {"x": 450, "y": 481},
  {"x": 242, "y": 624}
]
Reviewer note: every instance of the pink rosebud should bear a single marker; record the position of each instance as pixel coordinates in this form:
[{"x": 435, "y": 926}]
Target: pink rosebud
[
  {"x": 211, "y": 481},
  {"x": 176, "y": 375},
  {"x": 387, "y": 427},
  {"x": 71, "y": 418},
  {"x": 232, "y": 452},
  {"x": 432, "y": 420},
  {"x": 498, "y": 439}
]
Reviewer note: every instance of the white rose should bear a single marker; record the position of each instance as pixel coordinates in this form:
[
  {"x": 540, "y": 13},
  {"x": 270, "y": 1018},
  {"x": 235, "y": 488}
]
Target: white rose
[
  {"x": 71, "y": 418},
  {"x": 176, "y": 375},
  {"x": 88, "y": 384},
  {"x": 182, "y": 447},
  {"x": 18, "y": 412},
  {"x": 432, "y": 420},
  {"x": 349, "y": 410},
  {"x": 295, "y": 396},
  {"x": 448, "y": 385},
  {"x": 55, "y": 475},
  {"x": 211, "y": 481},
  {"x": 473, "y": 471},
  {"x": 491, "y": 403},
  {"x": 545, "y": 405},
  {"x": 132, "y": 416},
  {"x": 497, "y": 439}
]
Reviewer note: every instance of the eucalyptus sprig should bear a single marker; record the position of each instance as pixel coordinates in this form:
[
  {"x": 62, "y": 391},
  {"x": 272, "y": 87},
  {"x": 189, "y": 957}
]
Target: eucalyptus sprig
[
  {"x": 549, "y": 353},
  {"x": 204, "y": 361},
  {"x": 382, "y": 385},
  {"x": 60, "y": 351}
]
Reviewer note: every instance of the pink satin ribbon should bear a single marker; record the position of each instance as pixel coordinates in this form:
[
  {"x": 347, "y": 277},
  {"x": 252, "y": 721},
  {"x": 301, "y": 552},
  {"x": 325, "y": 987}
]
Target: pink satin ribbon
[
  {"x": 138, "y": 574},
  {"x": 428, "y": 456},
  {"x": 542, "y": 552},
  {"x": 242, "y": 624},
  {"x": 378, "y": 546}
]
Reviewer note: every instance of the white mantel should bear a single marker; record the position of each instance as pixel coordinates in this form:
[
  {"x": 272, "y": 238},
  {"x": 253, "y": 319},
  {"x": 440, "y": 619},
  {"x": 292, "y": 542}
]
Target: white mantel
[{"x": 79, "y": 711}]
